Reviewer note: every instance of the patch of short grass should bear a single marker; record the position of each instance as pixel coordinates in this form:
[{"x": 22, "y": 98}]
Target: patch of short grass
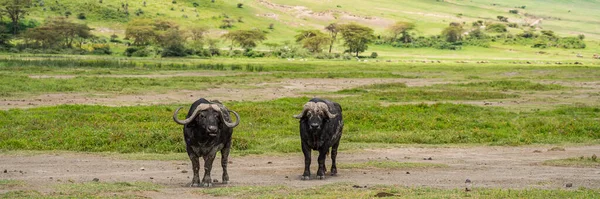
[
  {"x": 581, "y": 161},
  {"x": 88, "y": 190},
  {"x": 347, "y": 190},
  {"x": 246, "y": 191},
  {"x": 511, "y": 85},
  {"x": 388, "y": 164},
  {"x": 93, "y": 188},
  {"x": 7, "y": 183},
  {"x": 399, "y": 92}
]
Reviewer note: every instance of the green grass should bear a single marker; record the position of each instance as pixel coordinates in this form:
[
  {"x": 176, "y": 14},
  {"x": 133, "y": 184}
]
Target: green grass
[
  {"x": 269, "y": 126},
  {"x": 390, "y": 165},
  {"x": 11, "y": 86},
  {"x": 345, "y": 190},
  {"x": 94, "y": 188},
  {"x": 574, "y": 162},
  {"x": 5, "y": 183},
  {"x": 88, "y": 190},
  {"x": 505, "y": 85}
]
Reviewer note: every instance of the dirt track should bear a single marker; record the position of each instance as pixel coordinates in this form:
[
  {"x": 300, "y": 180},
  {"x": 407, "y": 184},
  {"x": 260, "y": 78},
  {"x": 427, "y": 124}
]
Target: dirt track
[{"x": 500, "y": 167}]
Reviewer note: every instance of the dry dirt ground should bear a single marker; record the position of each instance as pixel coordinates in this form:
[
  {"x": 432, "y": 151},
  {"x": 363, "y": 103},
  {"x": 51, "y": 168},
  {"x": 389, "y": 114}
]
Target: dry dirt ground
[{"x": 496, "y": 167}]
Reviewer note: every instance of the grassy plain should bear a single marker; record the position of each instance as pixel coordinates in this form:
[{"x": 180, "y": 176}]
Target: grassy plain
[{"x": 452, "y": 111}]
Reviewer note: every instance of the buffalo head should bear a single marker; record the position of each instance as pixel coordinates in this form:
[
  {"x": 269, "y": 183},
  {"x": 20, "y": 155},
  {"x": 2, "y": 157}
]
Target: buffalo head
[
  {"x": 315, "y": 113},
  {"x": 207, "y": 116}
]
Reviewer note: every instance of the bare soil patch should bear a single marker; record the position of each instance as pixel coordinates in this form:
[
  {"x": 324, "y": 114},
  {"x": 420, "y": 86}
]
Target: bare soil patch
[
  {"x": 490, "y": 167},
  {"x": 256, "y": 92}
]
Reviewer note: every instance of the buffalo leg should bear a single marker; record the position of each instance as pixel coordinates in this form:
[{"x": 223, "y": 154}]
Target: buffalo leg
[
  {"x": 321, "y": 160},
  {"x": 224, "y": 157},
  {"x": 196, "y": 168},
  {"x": 306, "y": 150},
  {"x": 208, "y": 161},
  {"x": 334, "y": 149}
]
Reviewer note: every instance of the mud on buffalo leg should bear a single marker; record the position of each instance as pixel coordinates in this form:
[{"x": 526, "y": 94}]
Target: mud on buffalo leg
[
  {"x": 224, "y": 157},
  {"x": 334, "y": 149},
  {"x": 196, "y": 168},
  {"x": 321, "y": 160},
  {"x": 306, "y": 150},
  {"x": 208, "y": 161}
]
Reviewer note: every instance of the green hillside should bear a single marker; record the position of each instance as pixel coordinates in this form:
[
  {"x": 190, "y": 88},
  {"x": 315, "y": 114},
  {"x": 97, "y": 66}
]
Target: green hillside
[{"x": 565, "y": 18}]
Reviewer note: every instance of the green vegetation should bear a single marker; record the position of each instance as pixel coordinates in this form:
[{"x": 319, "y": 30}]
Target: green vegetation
[
  {"x": 582, "y": 161},
  {"x": 116, "y": 25},
  {"x": 10, "y": 183},
  {"x": 88, "y": 190},
  {"x": 150, "y": 129},
  {"x": 344, "y": 190},
  {"x": 388, "y": 164},
  {"x": 95, "y": 188}
]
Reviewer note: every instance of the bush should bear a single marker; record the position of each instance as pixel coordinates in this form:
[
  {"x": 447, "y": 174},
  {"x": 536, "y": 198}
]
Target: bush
[
  {"x": 139, "y": 52},
  {"x": 235, "y": 53},
  {"x": 174, "y": 51},
  {"x": 81, "y": 16},
  {"x": 101, "y": 49},
  {"x": 373, "y": 55},
  {"x": 114, "y": 37},
  {"x": 195, "y": 4},
  {"x": 240, "y": 5},
  {"x": 496, "y": 27},
  {"x": 139, "y": 12},
  {"x": 347, "y": 56},
  {"x": 513, "y": 11}
]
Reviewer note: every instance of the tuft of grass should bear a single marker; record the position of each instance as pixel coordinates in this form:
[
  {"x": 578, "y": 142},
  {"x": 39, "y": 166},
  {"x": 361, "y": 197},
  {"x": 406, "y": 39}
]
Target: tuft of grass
[
  {"x": 390, "y": 165},
  {"x": 346, "y": 190},
  {"x": 581, "y": 161},
  {"x": 556, "y": 148}
]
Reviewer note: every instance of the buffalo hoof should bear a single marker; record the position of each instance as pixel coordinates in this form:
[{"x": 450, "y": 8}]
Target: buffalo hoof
[
  {"x": 195, "y": 185},
  {"x": 321, "y": 177},
  {"x": 225, "y": 182},
  {"x": 305, "y": 178},
  {"x": 333, "y": 174},
  {"x": 206, "y": 184}
]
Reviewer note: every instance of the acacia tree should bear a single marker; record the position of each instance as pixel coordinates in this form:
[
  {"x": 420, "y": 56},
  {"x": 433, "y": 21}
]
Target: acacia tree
[
  {"x": 141, "y": 31},
  {"x": 356, "y": 37},
  {"x": 453, "y": 33},
  {"x": 58, "y": 32},
  {"x": 313, "y": 40},
  {"x": 16, "y": 10},
  {"x": 247, "y": 39},
  {"x": 172, "y": 41},
  {"x": 401, "y": 28},
  {"x": 333, "y": 29},
  {"x": 198, "y": 34}
]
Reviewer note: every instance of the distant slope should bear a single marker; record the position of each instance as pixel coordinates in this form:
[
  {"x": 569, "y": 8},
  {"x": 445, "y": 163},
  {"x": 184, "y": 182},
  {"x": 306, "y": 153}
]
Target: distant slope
[{"x": 288, "y": 16}]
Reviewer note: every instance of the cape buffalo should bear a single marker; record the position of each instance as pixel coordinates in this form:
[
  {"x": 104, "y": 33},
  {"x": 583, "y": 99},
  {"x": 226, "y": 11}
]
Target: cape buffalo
[
  {"x": 320, "y": 128},
  {"x": 207, "y": 129}
]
